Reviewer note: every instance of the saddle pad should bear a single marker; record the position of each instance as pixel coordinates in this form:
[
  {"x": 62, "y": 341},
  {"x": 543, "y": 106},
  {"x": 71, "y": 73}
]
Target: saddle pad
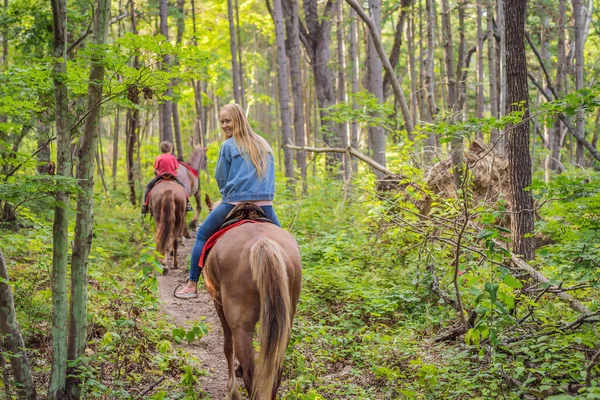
[
  {"x": 189, "y": 167},
  {"x": 210, "y": 243},
  {"x": 163, "y": 178}
]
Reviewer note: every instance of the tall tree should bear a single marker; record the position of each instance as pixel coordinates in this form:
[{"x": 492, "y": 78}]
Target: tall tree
[
  {"x": 60, "y": 229},
  {"x": 12, "y": 341},
  {"x": 132, "y": 119},
  {"x": 240, "y": 61},
  {"x": 174, "y": 106},
  {"x": 412, "y": 73},
  {"x": 167, "y": 106},
  {"x": 237, "y": 95},
  {"x": 518, "y": 134},
  {"x": 493, "y": 76},
  {"x": 284, "y": 96},
  {"x": 554, "y": 139},
  {"x": 480, "y": 71},
  {"x": 292, "y": 24},
  {"x": 579, "y": 27},
  {"x": 353, "y": 53},
  {"x": 85, "y": 200},
  {"x": 200, "y": 125}
]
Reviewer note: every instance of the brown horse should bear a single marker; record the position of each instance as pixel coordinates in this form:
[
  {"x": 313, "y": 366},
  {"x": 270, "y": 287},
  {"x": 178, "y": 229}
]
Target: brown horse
[
  {"x": 254, "y": 272},
  {"x": 192, "y": 184},
  {"x": 166, "y": 203}
]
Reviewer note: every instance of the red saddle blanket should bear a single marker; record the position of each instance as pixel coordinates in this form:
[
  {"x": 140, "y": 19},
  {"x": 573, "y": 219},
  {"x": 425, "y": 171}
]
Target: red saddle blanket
[
  {"x": 189, "y": 167},
  {"x": 210, "y": 243}
]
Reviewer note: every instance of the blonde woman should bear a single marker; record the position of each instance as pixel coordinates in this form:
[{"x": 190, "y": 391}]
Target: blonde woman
[{"x": 245, "y": 172}]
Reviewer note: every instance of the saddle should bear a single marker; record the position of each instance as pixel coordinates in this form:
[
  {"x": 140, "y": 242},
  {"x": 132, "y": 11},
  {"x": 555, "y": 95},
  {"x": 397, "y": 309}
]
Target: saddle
[{"x": 245, "y": 211}]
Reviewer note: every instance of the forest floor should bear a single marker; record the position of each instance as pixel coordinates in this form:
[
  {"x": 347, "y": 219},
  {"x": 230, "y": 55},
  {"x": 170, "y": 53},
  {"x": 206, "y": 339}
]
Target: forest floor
[{"x": 209, "y": 349}]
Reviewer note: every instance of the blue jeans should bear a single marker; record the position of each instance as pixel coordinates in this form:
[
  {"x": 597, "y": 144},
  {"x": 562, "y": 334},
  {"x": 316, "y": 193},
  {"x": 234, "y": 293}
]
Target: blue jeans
[{"x": 211, "y": 224}]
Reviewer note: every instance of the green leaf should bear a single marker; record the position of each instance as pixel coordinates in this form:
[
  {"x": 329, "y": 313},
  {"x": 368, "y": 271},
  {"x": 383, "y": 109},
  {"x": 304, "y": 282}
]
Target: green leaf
[{"x": 512, "y": 282}]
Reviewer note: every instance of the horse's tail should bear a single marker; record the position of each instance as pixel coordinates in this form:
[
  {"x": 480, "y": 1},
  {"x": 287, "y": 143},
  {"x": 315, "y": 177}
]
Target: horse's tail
[
  {"x": 166, "y": 226},
  {"x": 269, "y": 272}
]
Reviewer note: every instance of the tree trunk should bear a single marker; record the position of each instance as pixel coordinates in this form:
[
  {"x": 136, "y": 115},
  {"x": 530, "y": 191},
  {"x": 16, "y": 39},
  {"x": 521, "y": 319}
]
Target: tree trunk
[
  {"x": 284, "y": 96},
  {"x": 457, "y": 151},
  {"x": 167, "y": 106},
  {"x": 43, "y": 157},
  {"x": 341, "y": 95},
  {"x": 461, "y": 66},
  {"x": 200, "y": 125},
  {"x": 579, "y": 25},
  {"x": 553, "y": 162},
  {"x": 85, "y": 201},
  {"x": 292, "y": 23},
  {"x": 377, "y": 136},
  {"x": 11, "y": 338},
  {"x": 354, "y": 73},
  {"x": 518, "y": 135},
  {"x": 132, "y": 122},
  {"x": 239, "y": 51},
  {"x": 493, "y": 76},
  {"x": 60, "y": 234},
  {"x": 174, "y": 105},
  {"x": 115, "y": 154},
  {"x": 317, "y": 46},
  {"x": 395, "y": 54},
  {"x": 503, "y": 103},
  {"x": 480, "y": 79},
  {"x": 237, "y": 95},
  {"x": 412, "y": 73}
]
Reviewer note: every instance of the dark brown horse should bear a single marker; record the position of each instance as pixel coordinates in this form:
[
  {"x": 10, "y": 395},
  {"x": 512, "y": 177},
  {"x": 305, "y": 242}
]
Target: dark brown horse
[
  {"x": 254, "y": 273},
  {"x": 166, "y": 203}
]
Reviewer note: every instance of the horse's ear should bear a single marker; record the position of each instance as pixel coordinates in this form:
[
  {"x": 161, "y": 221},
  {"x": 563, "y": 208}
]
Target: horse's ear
[{"x": 208, "y": 201}]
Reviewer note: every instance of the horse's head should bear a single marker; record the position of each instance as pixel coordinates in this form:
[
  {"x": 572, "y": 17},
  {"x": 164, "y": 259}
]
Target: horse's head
[{"x": 198, "y": 158}]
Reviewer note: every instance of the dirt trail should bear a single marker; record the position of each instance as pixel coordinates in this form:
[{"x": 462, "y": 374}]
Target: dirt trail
[{"x": 209, "y": 349}]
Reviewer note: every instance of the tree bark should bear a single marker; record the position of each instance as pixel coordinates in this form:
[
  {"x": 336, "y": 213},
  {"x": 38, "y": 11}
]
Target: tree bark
[
  {"x": 579, "y": 25},
  {"x": 354, "y": 74},
  {"x": 522, "y": 213},
  {"x": 292, "y": 22},
  {"x": 493, "y": 76},
  {"x": 60, "y": 234},
  {"x": 12, "y": 340},
  {"x": 480, "y": 79},
  {"x": 239, "y": 50},
  {"x": 174, "y": 105},
  {"x": 374, "y": 31},
  {"x": 395, "y": 54},
  {"x": 85, "y": 201},
  {"x": 284, "y": 96},
  {"x": 200, "y": 125},
  {"x": 115, "y": 155},
  {"x": 167, "y": 106},
  {"x": 237, "y": 95},
  {"x": 503, "y": 104},
  {"x": 553, "y": 162},
  {"x": 132, "y": 122}
]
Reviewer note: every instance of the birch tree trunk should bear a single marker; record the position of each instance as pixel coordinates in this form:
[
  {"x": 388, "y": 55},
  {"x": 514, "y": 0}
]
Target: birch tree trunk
[
  {"x": 85, "y": 201},
  {"x": 60, "y": 236},
  {"x": 518, "y": 135},
  {"x": 167, "y": 106},
  {"x": 284, "y": 97},
  {"x": 12, "y": 340},
  {"x": 237, "y": 96}
]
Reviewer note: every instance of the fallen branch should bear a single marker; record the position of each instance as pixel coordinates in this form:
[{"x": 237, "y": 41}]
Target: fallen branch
[
  {"x": 152, "y": 386},
  {"x": 350, "y": 150},
  {"x": 538, "y": 277}
]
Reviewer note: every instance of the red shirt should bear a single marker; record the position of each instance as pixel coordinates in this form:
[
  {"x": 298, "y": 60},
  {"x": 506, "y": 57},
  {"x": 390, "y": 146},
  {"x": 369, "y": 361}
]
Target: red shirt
[{"x": 166, "y": 164}]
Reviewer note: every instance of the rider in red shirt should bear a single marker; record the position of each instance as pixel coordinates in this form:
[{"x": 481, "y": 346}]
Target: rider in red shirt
[{"x": 165, "y": 166}]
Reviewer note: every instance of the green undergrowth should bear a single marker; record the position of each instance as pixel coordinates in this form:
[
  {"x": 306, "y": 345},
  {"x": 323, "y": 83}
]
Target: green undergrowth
[
  {"x": 131, "y": 345},
  {"x": 368, "y": 318}
]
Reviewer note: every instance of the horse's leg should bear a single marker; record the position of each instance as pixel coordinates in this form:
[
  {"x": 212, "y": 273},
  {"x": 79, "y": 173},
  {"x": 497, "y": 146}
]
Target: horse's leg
[
  {"x": 175, "y": 245},
  {"x": 242, "y": 338},
  {"x": 232, "y": 392},
  {"x": 194, "y": 221}
]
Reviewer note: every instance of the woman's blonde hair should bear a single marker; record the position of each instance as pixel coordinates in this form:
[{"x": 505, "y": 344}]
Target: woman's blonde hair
[{"x": 252, "y": 146}]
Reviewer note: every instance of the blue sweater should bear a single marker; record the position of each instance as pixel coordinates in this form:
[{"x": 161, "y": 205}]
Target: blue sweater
[{"x": 238, "y": 179}]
